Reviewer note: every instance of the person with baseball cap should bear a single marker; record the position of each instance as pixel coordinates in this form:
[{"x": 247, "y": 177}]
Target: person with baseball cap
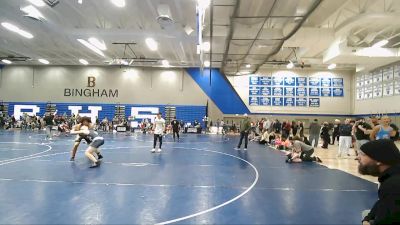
[{"x": 381, "y": 158}]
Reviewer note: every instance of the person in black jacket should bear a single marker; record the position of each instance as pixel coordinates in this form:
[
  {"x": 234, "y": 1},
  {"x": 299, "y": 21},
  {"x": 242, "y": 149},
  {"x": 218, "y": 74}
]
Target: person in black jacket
[
  {"x": 175, "y": 128},
  {"x": 381, "y": 158},
  {"x": 325, "y": 135}
]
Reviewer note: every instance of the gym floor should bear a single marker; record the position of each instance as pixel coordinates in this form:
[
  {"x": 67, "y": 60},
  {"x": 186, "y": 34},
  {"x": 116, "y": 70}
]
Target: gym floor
[{"x": 201, "y": 179}]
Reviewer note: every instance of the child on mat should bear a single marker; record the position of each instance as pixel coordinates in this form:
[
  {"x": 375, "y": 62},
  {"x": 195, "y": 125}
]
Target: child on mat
[
  {"x": 277, "y": 141},
  {"x": 95, "y": 141}
]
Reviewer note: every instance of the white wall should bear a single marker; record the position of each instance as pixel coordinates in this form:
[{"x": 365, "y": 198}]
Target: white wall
[
  {"x": 380, "y": 105},
  {"x": 328, "y": 105},
  {"x": 135, "y": 86}
]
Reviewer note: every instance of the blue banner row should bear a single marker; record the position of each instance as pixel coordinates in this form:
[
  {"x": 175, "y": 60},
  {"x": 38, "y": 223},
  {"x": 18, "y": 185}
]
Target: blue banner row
[
  {"x": 296, "y": 91},
  {"x": 280, "y": 101},
  {"x": 296, "y": 81}
]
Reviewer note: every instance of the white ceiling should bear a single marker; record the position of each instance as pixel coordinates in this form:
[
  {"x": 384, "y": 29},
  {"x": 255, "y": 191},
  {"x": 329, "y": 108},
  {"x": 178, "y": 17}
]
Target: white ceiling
[{"x": 262, "y": 33}]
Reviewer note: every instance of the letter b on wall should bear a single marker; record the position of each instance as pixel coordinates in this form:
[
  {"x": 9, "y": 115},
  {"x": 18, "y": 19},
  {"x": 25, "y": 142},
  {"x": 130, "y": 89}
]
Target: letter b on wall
[{"x": 91, "y": 81}]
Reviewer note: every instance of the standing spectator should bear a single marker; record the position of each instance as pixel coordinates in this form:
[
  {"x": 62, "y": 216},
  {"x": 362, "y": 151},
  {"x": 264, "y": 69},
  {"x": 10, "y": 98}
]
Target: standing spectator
[
  {"x": 245, "y": 127},
  {"x": 175, "y": 128},
  {"x": 267, "y": 125},
  {"x": 315, "y": 129},
  {"x": 383, "y": 131},
  {"x": 295, "y": 127},
  {"x": 335, "y": 133},
  {"x": 396, "y": 132},
  {"x": 301, "y": 129},
  {"x": 222, "y": 124},
  {"x": 374, "y": 121},
  {"x": 325, "y": 135},
  {"x": 261, "y": 125},
  {"x": 158, "y": 130},
  {"x": 206, "y": 127},
  {"x": 360, "y": 130},
  {"x": 345, "y": 138},
  {"x": 286, "y": 129},
  {"x": 277, "y": 126},
  {"x": 381, "y": 158},
  {"x": 49, "y": 120},
  {"x": 13, "y": 121}
]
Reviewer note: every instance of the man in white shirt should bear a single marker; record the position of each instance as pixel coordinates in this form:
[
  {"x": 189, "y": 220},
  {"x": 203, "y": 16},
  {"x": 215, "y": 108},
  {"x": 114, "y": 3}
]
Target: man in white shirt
[
  {"x": 267, "y": 124},
  {"x": 158, "y": 129}
]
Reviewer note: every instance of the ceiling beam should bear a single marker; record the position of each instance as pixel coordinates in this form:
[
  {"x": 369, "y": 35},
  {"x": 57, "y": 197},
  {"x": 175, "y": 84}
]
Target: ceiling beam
[
  {"x": 315, "y": 4},
  {"x": 230, "y": 34},
  {"x": 266, "y": 17},
  {"x": 258, "y": 33}
]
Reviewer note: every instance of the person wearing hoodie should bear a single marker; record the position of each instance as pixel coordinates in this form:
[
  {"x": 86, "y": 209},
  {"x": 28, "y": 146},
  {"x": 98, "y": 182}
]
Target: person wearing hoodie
[
  {"x": 315, "y": 129},
  {"x": 245, "y": 127}
]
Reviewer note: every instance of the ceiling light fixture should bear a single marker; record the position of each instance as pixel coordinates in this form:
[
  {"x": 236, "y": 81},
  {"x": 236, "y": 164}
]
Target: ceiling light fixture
[
  {"x": 207, "y": 63},
  {"x": 124, "y": 62},
  {"x": 165, "y": 63},
  {"x": 6, "y": 61},
  {"x": 91, "y": 47},
  {"x": 84, "y": 62},
  {"x": 80, "y": 2},
  {"x": 290, "y": 65},
  {"x": 205, "y": 46},
  {"x": 119, "y": 3},
  {"x": 332, "y": 66},
  {"x": 243, "y": 73},
  {"x": 203, "y": 3},
  {"x": 38, "y": 3},
  {"x": 98, "y": 44},
  {"x": 380, "y": 44},
  {"x": 16, "y": 29},
  {"x": 152, "y": 44},
  {"x": 248, "y": 66},
  {"x": 188, "y": 30},
  {"x": 43, "y": 61},
  {"x": 32, "y": 12}
]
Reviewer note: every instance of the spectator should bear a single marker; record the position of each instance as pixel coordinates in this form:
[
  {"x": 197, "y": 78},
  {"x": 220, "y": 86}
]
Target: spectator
[
  {"x": 360, "y": 130},
  {"x": 335, "y": 133},
  {"x": 264, "y": 137},
  {"x": 295, "y": 128},
  {"x": 381, "y": 158},
  {"x": 345, "y": 138},
  {"x": 315, "y": 129},
  {"x": 301, "y": 129},
  {"x": 277, "y": 126},
  {"x": 245, "y": 127},
  {"x": 383, "y": 131},
  {"x": 325, "y": 135}
]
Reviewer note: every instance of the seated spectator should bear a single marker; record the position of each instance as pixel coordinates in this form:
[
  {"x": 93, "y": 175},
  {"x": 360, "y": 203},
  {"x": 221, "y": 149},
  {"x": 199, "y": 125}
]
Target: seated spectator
[
  {"x": 271, "y": 137},
  {"x": 277, "y": 141},
  {"x": 284, "y": 144},
  {"x": 264, "y": 137}
]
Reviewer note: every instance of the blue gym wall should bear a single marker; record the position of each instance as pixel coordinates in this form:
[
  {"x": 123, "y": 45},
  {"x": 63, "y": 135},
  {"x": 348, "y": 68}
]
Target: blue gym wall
[
  {"x": 186, "y": 113},
  {"x": 221, "y": 92}
]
